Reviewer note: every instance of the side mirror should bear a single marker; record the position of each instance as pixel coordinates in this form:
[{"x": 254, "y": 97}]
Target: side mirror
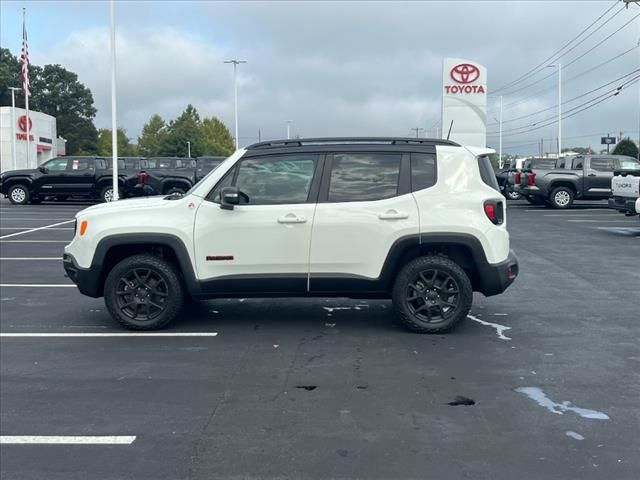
[
  {"x": 229, "y": 197},
  {"x": 43, "y": 169}
]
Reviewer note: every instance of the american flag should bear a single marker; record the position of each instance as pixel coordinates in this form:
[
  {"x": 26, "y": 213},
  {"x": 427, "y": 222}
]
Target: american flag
[{"x": 24, "y": 59}]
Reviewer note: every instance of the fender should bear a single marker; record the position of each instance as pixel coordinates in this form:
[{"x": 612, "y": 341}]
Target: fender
[
  {"x": 566, "y": 181},
  {"x": 11, "y": 181},
  {"x": 175, "y": 244}
]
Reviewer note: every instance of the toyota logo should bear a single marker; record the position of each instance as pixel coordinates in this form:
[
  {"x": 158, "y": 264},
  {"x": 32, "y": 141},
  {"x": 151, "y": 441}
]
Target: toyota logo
[
  {"x": 22, "y": 123},
  {"x": 465, "y": 73}
]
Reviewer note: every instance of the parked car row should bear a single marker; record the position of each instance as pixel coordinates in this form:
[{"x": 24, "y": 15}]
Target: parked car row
[
  {"x": 558, "y": 182},
  {"x": 92, "y": 177}
]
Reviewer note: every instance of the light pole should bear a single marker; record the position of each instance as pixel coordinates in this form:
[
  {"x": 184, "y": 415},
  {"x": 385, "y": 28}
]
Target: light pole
[
  {"x": 114, "y": 128},
  {"x": 288, "y": 129},
  {"x": 188, "y": 149},
  {"x": 500, "y": 146},
  {"x": 235, "y": 92},
  {"x": 559, "y": 65},
  {"x": 14, "y": 156}
]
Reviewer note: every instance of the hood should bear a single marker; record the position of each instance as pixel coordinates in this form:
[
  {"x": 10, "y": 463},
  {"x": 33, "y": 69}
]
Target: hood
[
  {"x": 128, "y": 204},
  {"x": 12, "y": 173}
]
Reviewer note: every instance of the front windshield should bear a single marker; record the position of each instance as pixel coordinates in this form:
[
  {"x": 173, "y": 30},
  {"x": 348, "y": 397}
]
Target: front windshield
[{"x": 629, "y": 164}]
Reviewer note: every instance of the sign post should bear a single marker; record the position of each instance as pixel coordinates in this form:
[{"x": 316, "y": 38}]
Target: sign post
[{"x": 608, "y": 140}]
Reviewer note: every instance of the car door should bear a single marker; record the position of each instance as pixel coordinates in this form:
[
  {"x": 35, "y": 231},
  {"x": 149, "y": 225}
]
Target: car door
[
  {"x": 261, "y": 246},
  {"x": 598, "y": 175},
  {"x": 81, "y": 174},
  {"x": 54, "y": 179},
  {"x": 365, "y": 206}
]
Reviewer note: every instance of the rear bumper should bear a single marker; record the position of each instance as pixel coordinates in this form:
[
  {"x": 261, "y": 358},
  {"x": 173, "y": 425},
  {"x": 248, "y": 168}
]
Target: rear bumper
[
  {"x": 623, "y": 204},
  {"x": 495, "y": 278},
  {"x": 86, "y": 279}
]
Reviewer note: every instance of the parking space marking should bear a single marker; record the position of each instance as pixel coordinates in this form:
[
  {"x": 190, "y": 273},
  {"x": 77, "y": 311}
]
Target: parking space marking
[
  {"x": 25, "y": 228},
  {"x": 34, "y": 241},
  {"x": 37, "y": 285},
  {"x": 67, "y": 440},
  {"x": 577, "y": 210},
  {"x": 598, "y": 221},
  {"x": 36, "y": 229},
  {"x": 31, "y": 258},
  {"x": 106, "y": 334}
]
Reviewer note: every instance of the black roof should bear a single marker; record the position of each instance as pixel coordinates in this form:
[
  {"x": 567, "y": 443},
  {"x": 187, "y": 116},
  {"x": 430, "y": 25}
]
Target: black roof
[{"x": 299, "y": 142}]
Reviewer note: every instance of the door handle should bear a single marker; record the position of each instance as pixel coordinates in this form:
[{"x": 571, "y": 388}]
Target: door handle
[
  {"x": 591, "y": 175},
  {"x": 291, "y": 218},
  {"x": 393, "y": 215}
]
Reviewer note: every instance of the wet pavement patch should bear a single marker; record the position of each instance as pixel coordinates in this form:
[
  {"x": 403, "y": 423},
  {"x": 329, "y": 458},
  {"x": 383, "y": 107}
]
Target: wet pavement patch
[{"x": 460, "y": 400}]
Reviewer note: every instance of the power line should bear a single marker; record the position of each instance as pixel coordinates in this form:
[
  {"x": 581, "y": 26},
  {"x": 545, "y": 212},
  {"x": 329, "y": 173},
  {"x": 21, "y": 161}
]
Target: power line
[{"x": 549, "y": 59}]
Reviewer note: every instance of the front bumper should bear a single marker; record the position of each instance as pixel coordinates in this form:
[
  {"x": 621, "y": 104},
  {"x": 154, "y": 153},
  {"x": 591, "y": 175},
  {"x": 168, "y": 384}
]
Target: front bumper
[
  {"x": 495, "y": 278},
  {"x": 86, "y": 279},
  {"x": 623, "y": 204}
]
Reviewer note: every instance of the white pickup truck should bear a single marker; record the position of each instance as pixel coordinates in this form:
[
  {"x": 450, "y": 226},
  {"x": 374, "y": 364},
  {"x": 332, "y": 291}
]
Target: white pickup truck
[{"x": 625, "y": 191}]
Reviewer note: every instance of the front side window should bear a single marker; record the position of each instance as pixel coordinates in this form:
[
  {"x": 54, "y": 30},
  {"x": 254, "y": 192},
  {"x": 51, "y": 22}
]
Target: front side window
[
  {"x": 276, "y": 180},
  {"x": 357, "y": 177},
  {"x": 57, "y": 164},
  {"x": 602, "y": 164}
]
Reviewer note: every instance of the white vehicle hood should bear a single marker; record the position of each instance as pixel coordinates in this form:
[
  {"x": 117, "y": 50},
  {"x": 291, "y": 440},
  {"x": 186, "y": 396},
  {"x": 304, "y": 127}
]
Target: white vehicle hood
[{"x": 129, "y": 204}]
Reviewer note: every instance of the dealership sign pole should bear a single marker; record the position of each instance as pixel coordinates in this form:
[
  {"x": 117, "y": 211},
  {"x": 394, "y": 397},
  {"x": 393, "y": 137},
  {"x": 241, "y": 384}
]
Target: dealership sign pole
[
  {"x": 114, "y": 128},
  {"x": 24, "y": 59}
]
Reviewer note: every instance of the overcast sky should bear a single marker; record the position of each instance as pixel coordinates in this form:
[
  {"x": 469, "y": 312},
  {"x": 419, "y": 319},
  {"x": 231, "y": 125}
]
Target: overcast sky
[{"x": 359, "y": 68}]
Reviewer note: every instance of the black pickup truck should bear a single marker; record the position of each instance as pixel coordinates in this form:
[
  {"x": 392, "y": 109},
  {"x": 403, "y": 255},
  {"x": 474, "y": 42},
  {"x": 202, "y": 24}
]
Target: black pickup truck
[
  {"x": 168, "y": 175},
  {"x": 585, "y": 177},
  {"x": 64, "y": 177}
]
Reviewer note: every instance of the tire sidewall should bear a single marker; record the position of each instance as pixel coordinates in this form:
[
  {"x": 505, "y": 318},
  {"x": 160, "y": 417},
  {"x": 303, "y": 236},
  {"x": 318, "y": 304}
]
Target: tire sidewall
[
  {"x": 174, "y": 302},
  {"x": 407, "y": 275},
  {"x": 107, "y": 189},
  {"x": 25, "y": 189}
]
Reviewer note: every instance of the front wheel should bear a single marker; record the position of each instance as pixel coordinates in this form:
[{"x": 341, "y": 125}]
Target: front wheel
[
  {"x": 19, "y": 195},
  {"x": 561, "y": 197},
  {"x": 432, "y": 294},
  {"x": 106, "y": 195},
  {"x": 175, "y": 190},
  {"x": 143, "y": 292}
]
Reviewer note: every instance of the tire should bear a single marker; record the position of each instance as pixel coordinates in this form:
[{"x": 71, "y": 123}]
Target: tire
[
  {"x": 561, "y": 197},
  {"x": 106, "y": 194},
  {"x": 513, "y": 195},
  {"x": 175, "y": 190},
  {"x": 534, "y": 200},
  {"x": 423, "y": 280},
  {"x": 19, "y": 194},
  {"x": 127, "y": 292}
]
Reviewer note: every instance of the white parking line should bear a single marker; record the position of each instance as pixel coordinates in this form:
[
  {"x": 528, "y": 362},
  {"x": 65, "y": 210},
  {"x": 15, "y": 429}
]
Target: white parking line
[
  {"x": 112, "y": 334},
  {"x": 31, "y": 258},
  {"x": 598, "y": 221},
  {"x": 34, "y": 241},
  {"x": 577, "y": 210},
  {"x": 36, "y": 229},
  {"x": 66, "y": 440},
  {"x": 37, "y": 285},
  {"x": 25, "y": 228}
]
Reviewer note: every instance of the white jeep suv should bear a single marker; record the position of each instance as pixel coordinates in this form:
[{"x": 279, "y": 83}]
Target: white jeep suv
[{"x": 416, "y": 220}]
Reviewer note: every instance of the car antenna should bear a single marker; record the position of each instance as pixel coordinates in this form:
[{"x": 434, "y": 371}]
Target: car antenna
[{"x": 450, "y": 127}]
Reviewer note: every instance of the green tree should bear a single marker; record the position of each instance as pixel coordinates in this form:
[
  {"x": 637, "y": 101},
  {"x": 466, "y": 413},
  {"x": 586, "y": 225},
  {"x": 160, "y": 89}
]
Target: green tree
[
  {"x": 186, "y": 128},
  {"x": 626, "y": 146},
  {"x": 152, "y": 141},
  {"x": 125, "y": 149},
  {"x": 217, "y": 138},
  {"x": 9, "y": 77}
]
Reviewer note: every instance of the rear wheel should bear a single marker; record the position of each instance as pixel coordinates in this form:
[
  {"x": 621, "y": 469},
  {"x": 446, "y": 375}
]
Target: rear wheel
[
  {"x": 143, "y": 292},
  {"x": 561, "y": 197},
  {"x": 19, "y": 195},
  {"x": 513, "y": 195},
  {"x": 106, "y": 195},
  {"x": 432, "y": 294}
]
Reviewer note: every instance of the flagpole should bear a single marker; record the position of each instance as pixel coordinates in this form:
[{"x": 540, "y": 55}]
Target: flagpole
[
  {"x": 114, "y": 128},
  {"x": 26, "y": 80}
]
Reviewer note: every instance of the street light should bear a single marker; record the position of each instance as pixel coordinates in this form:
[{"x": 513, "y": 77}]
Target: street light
[
  {"x": 288, "y": 129},
  {"x": 235, "y": 91},
  {"x": 14, "y": 157},
  {"x": 188, "y": 149},
  {"x": 559, "y": 65}
]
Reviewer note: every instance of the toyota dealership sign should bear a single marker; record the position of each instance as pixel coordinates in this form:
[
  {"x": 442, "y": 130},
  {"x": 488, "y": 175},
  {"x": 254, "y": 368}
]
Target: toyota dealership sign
[{"x": 464, "y": 101}]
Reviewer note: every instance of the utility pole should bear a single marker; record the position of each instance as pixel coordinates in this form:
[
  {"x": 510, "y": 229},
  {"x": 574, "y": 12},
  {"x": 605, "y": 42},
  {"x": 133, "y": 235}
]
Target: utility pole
[
  {"x": 14, "y": 154},
  {"x": 418, "y": 131},
  {"x": 259, "y": 135},
  {"x": 288, "y": 129},
  {"x": 500, "y": 163},
  {"x": 235, "y": 93},
  {"x": 114, "y": 127},
  {"x": 559, "y": 65}
]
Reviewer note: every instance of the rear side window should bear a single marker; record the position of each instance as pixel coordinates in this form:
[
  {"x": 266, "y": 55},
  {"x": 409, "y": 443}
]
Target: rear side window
[
  {"x": 603, "y": 164},
  {"x": 364, "y": 176},
  {"x": 423, "y": 171},
  {"x": 577, "y": 163},
  {"x": 486, "y": 172},
  {"x": 81, "y": 164}
]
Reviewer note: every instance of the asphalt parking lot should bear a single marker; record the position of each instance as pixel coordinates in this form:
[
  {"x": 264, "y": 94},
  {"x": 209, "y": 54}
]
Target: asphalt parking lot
[{"x": 541, "y": 382}]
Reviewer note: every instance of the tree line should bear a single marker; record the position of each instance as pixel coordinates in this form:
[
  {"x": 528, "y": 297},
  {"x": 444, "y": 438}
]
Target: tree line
[{"x": 57, "y": 91}]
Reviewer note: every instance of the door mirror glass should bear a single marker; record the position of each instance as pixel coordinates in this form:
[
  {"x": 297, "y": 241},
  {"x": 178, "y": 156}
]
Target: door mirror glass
[
  {"x": 42, "y": 169},
  {"x": 229, "y": 196}
]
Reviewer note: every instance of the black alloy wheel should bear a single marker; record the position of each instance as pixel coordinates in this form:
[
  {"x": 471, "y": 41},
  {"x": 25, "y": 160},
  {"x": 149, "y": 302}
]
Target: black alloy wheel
[
  {"x": 433, "y": 296},
  {"x": 141, "y": 294}
]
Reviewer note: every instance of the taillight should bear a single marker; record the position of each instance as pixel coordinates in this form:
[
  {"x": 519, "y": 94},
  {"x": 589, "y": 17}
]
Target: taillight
[
  {"x": 532, "y": 179},
  {"x": 143, "y": 178},
  {"x": 518, "y": 178},
  {"x": 494, "y": 211}
]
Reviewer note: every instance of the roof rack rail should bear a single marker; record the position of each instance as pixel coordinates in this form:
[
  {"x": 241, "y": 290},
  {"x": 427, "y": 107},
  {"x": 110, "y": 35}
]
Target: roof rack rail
[{"x": 299, "y": 142}]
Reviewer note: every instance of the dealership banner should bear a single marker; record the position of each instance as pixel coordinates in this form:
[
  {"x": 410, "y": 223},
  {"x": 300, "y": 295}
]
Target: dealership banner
[{"x": 464, "y": 101}]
